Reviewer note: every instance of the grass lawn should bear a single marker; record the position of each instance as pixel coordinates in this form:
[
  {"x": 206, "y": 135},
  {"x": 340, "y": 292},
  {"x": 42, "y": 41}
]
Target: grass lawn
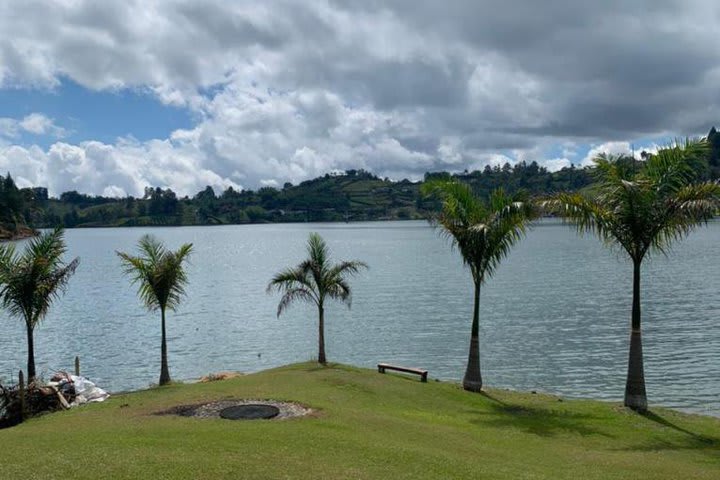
[{"x": 366, "y": 425}]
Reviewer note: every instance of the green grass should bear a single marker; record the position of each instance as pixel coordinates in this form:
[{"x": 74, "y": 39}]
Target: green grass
[{"x": 366, "y": 425}]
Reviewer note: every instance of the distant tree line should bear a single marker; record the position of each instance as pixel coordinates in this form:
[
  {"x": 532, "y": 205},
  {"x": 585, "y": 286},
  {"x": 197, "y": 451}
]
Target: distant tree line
[{"x": 347, "y": 196}]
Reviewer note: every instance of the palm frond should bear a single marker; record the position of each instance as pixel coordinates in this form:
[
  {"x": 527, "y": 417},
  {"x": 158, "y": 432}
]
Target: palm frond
[
  {"x": 30, "y": 282},
  {"x": 692, "y": 206},
  {"x": 292, "y": 295},
  {"x": 159, "y": 273},
  {"x": 340, "y": 290},
  {"x": 643, "y": 209},
  {"x": 315, "y": 278},
  {"x": 484, "y": 234},
  {"x": 341, "y": 269}
]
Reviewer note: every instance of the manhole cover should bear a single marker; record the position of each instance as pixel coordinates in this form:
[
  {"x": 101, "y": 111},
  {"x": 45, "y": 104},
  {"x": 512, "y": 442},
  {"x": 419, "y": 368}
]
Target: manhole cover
[{"x": 252, "y": 411}]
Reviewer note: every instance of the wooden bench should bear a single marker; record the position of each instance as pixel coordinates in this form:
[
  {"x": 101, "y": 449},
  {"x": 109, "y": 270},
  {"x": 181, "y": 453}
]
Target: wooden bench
[{"x": 417, "y": 371}]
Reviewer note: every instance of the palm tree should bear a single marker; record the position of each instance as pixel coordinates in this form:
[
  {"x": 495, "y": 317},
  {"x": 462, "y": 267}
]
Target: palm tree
[
  {"x": 484, "y": 233},
  {"x": 31, "y": 281},
  {"x": 161, "y": 280},
  {"x": 314, "y": 281},
  {"x": 641, "y": 207}
]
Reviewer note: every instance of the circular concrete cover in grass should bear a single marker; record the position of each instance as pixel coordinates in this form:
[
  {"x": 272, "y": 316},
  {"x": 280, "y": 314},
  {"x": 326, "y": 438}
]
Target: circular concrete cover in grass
[
  {"x": 250, "y": 411},
  {"x": 213, "y": 409}
]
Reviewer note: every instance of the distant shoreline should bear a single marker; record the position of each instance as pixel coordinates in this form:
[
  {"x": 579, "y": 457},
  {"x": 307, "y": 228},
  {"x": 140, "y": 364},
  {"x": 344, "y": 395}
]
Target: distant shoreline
[{"x": 19, "y": 233}]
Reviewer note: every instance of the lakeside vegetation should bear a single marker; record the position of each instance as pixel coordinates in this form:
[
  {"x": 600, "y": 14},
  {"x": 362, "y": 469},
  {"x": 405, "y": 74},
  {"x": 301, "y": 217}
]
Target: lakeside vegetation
[
  {"x": 365, "y": 426},
  {"x": 353, "y": 195}
]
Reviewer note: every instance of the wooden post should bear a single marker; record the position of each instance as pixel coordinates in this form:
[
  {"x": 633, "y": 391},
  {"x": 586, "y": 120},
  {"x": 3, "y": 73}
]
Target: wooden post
[
  {"x": 21, "y": 392},
  {"x": 77, "y": 366}
]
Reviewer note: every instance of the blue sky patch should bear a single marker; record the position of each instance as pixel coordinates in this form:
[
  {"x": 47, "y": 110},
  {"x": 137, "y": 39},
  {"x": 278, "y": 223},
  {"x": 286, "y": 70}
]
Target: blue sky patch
[{"x": 93, "y": 115}]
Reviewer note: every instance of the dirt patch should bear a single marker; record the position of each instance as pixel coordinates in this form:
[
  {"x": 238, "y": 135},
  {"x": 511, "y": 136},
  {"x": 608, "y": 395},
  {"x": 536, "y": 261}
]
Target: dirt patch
[
  {"x": 213, "y": 409},
  {"x": 215, "y": 377}
]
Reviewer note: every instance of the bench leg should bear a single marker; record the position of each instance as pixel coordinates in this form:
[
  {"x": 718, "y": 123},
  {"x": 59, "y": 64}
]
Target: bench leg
[
  {"x": 424, "y": 378},
  {"x": 381, "y": 370}
]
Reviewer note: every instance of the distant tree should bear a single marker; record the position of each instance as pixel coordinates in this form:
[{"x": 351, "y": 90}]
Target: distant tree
[
  {"x": 230, "y": 194},
  {"x": 208, "y": 194},
  {"x": 40, "y": 194},
  {"x": 13, "y": 203},
  {"x": 440, "y": 176},
  {"x": 73, "y": 197},
  {"x": 162, "y": 202},
  {"x": 484, "y": 233},
  {"x": 160, "y": 276},
  {"x": 31, "y": 281},
  {"x": 256, "y": 213},
  {"x": 713, "y": 140},
  {"x": 269, "y": 197},
  {"x": 642, "y": 208},
  {"x": 316, "y": 280}
]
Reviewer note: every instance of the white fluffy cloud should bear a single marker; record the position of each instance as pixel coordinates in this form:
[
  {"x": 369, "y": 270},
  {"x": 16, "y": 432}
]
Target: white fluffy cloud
[
  {"x": 287, "y": 90},
  {"x": 618, "y": 148},
  {"x": 555, "y": 164},
  {"x": 124, "y": 168},
  {"x": 35, "y": 124}
]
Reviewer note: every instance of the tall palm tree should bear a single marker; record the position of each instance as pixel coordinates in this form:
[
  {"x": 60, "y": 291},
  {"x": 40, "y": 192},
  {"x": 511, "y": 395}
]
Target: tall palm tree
[
  {"x": 484, "y": 233},
  {"x": 314, "y": 281},
  {"x": 161, "y": 279},
  {"x": 31, "y": 281},
  {"x": 642, "y": 207}
]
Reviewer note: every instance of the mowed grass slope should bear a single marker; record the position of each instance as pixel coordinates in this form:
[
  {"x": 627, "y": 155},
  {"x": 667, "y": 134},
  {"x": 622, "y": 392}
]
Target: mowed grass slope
[{"x": 366, "y": 425}]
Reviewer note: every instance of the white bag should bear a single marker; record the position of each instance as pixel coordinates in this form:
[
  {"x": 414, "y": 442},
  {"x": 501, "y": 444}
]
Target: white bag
[{"x": 86, "y": 391}]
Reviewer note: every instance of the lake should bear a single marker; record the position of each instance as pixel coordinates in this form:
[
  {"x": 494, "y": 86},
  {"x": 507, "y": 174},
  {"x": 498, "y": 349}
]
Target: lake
[{"x": 555, "y": 318}]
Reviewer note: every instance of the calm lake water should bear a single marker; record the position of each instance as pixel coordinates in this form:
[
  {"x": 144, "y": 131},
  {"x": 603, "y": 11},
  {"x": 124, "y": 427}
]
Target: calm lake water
[{"x": 555, "y": 318}]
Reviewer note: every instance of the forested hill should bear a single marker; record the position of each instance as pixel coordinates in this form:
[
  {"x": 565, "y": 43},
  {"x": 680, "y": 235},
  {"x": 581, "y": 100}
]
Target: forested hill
[{"x": 352, "y": 195}]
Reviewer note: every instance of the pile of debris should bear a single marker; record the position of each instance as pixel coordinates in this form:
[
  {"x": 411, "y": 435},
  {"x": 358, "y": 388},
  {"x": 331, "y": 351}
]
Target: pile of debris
[{"x": 64, "y": 391}]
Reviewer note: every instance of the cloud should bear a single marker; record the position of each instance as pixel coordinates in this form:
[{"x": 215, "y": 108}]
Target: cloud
[
  {"x": 39, "y": 124},
  {"x": 555, "y": 164},
  {"x": 91, "y": 166},
  {"x": 35, "y": 124},
  {"x": 619, "y": 148},
  {"x": 284, "y": 90},
  {"x": 613, "y": 148}
]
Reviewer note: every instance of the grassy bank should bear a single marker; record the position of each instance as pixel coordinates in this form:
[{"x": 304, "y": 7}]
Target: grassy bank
[{"x": 366, "y": 425}]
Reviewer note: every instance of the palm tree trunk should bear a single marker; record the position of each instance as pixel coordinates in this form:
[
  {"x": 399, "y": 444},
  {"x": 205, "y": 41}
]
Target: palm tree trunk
[
  {"x": 635, "y": 396},
  {"x": 321, "y": 335},
  {"x": 164, "y": 371},
  {"x": 473, "y": 380},
  {"x": 31, "y": 354}
]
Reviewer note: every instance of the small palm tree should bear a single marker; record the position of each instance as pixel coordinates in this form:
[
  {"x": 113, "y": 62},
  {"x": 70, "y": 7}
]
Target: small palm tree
[
  {"x": 161, "y": 279},
  {"x": 484, "y": 233},
  {"x": 641, "y": 207},
  {"x": 31, "y": 281},
  {"x": 314, "y": 281}
]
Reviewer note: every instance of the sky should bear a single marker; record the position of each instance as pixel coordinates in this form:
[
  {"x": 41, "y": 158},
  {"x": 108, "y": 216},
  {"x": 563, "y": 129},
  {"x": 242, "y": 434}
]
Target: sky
[{"x": 109, "y": 97}]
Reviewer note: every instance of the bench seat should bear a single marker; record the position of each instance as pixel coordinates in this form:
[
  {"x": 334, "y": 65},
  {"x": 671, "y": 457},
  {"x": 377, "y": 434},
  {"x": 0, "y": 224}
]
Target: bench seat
[{"x": 417, "y": 371}]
